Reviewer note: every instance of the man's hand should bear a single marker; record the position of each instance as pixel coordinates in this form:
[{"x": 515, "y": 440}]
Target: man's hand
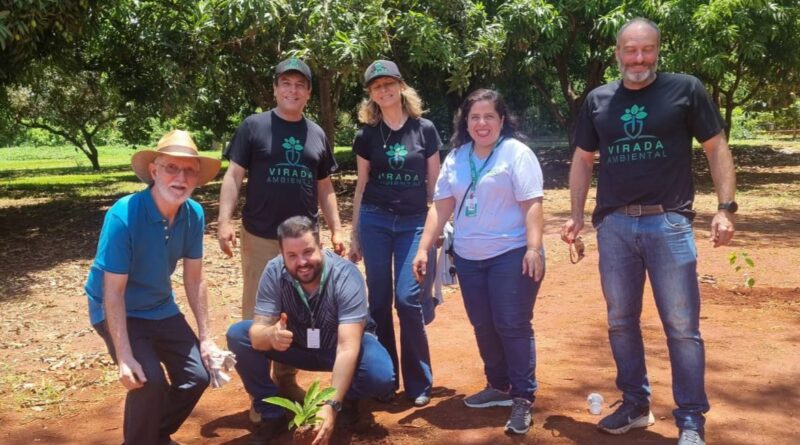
[
  {"x": 420, "y": 266},
  {"x": 571, "y": 229},
  {"x": 338, "y": 245},
  {"x": 131, "y": 374},
  {"x": 281, "y": 336},
  {"x": 324, "y": 429},
  {"x": 207, "y": 349},
  {"x": 226, "y": 235},
  {"x": 722, "y": 228}
]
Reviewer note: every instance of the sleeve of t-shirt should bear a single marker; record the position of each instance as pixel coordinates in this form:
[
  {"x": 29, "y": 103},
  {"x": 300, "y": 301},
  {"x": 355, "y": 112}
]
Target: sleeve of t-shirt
[
  {"x": 327, "y": 163},
  {"x": 705, "y": 121},
  {"x": 443, "y": 189},
  {"x": 526, "y": 175},
  {"x": 432, "y": 140},
  {"x": 114, "y": 250},
  {"x": 361, "y": 145},
  {"x": 194, "y": 240},
  {"x": 268, "y": 297},
  {"x": 585, "y": 133},
  {"x": 352, "y": 295},
  {"x": 238, "y": 149}
]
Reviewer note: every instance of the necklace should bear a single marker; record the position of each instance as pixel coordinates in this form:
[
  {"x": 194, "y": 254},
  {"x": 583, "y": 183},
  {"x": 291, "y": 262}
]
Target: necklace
[{"x": 386, "y": 139}]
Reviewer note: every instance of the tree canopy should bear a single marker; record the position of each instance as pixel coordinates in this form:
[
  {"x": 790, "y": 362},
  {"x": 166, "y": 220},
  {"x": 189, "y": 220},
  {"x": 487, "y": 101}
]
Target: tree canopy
[{"x": 206, "y": 64}]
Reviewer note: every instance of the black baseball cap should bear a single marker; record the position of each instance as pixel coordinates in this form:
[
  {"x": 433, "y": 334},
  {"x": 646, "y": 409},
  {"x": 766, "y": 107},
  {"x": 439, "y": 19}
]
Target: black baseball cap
[
  {"x": 293, "y": 64},
  {"x": 381, "y": 68}
]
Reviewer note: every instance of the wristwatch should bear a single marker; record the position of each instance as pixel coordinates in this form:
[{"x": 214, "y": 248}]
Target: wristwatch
[
  {"x": 335, "y": 404},
  {"x": 730, "y": 206}
]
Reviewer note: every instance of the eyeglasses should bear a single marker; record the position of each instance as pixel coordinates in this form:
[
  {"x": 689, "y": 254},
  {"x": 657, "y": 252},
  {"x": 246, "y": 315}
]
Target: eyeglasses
[
  {"x": 576, "y": 250},
  {"x": 174, "y": 170}
]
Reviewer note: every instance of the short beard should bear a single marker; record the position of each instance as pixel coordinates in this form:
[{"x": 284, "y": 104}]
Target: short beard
[
  {"x": 317, "y": 272},
  {"x": 638, "y": 77}
]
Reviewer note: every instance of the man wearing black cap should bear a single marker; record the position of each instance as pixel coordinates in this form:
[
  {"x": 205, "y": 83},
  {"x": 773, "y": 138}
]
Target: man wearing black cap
[{"x": 288, "y": 161}]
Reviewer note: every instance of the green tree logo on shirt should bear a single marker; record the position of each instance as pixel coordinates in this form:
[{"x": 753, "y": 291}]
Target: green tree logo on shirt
[
  {"x": 396, "y": 153},
  {"x": 293, "y": 149},
  {"x": 634, "y": 121}
]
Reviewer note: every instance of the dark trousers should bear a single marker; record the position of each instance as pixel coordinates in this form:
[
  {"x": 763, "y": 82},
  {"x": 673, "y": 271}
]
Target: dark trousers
[
  {"x": 156, "y": 410},
  {"x": 374, "y": 375}
]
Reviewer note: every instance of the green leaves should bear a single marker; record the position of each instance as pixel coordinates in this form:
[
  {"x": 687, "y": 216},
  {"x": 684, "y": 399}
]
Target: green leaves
[
  {"x": 291, "y": 143},
  {"x": 305, "y": 414},
  {"x": 396, "y": 151},
  {"x": 737, "y": 261},
  {"x": 634, "y": 112}
]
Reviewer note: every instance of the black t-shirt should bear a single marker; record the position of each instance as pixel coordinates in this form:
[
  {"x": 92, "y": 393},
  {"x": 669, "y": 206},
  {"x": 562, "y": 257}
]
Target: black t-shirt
[
  {"x": 645, "y": 141},
  {"x": 398, "y": 172},
  {"x": 284, "y": 161}
]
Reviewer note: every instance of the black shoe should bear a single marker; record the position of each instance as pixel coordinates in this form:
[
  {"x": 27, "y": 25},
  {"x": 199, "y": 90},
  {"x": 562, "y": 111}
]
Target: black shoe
[
  {"x": 349, "y": 413},
  {"x": 267, "y": 430},
  {"x": 627, "y": 416}
]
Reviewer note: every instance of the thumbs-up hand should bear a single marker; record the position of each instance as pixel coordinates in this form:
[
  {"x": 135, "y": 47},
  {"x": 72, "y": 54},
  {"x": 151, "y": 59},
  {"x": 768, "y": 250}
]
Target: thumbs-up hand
[{"x": 281, "y": 335}]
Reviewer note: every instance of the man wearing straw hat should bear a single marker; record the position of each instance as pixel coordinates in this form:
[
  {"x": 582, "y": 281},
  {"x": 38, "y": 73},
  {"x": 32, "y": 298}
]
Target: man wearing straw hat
[
  {"x": 131, "y": 302},
  {"x": 288, "y": 162}
]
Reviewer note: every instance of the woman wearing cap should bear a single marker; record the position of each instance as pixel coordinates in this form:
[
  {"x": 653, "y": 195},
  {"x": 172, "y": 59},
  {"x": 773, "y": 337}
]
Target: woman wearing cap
[
  {"x": 493, "y": 182},
  {"x": 397, "y": 155}
]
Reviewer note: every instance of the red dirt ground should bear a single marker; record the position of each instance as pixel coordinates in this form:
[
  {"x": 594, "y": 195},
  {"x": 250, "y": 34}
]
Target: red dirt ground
[{"x": 752, "y": 339}]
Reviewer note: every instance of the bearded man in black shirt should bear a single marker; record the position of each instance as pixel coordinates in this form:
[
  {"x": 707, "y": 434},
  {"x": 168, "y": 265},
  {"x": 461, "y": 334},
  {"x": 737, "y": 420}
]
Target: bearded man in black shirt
[{"x": 642, "y": 126}]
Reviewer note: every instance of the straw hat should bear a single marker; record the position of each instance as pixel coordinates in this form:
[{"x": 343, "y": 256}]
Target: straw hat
[{"x": 179, "y": 144}]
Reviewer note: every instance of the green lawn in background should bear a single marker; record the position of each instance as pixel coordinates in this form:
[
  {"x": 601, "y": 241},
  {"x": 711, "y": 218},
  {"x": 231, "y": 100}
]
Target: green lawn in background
[{"x": 38, "y": 172}]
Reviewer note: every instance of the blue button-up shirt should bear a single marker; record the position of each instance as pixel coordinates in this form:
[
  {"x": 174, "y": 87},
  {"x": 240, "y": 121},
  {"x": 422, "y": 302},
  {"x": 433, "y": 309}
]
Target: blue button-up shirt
[{"x": 136, "y": 240}]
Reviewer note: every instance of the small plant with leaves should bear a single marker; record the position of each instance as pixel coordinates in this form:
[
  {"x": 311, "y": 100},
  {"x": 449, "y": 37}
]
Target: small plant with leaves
[
  {"x": 305, "y": 415},
  {"x": 742, "y": 263}
]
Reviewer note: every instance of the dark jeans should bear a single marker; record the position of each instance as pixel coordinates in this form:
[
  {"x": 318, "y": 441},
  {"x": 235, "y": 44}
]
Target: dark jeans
[
  {"x": 499, "y": 302},
  {"x": 388, "y": 244},
  {"x": 156, "y": 410},
  {"x": 374, "y": 376},
  {"x": 662, "y": 248}
]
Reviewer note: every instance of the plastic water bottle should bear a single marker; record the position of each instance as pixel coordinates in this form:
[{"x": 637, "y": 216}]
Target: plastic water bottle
[{"x": 595, "y": 402}]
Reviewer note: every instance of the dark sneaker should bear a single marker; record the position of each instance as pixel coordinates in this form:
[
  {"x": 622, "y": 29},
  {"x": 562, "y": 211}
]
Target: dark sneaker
[
  {"x": 691, "y": 437},
  {"x": 387, "y": 398},
  {"x": 349, "y": 414},
  {"x": 267, "y": 430},
  {"x": 627, "y": 416},
  {"x": 520, "y": 420},
  {"x": 488, "y": 397}
]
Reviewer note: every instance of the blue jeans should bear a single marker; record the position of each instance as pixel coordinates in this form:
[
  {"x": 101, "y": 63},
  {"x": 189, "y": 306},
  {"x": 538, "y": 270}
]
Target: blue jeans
[
  {"x": 391, "y": 240},
  {"x": 663, "y": 247},
  {"x": 499, "y": 301},
  {"x": 156, "y": 410},
  {"x": 373, "y": 375}
]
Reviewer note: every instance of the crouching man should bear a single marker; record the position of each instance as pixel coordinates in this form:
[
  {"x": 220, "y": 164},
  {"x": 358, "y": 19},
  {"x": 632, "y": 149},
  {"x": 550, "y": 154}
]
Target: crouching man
[
  {"x": 131, "y": 303},
  {"x": 324, "y": 301}
]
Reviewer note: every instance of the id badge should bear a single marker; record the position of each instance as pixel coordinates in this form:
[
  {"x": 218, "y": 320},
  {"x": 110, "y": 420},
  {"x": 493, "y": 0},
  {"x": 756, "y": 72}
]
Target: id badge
[
  {"x": 312, "y": 336},
  {"x": 471, "y": 205}
]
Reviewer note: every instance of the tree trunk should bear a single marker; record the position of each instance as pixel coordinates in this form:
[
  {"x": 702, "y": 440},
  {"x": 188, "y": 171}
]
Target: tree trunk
[
  {"x": 327, "y": 106},
  {"x": 729, "y": 105},
  {"x": 91, "y": 150}
]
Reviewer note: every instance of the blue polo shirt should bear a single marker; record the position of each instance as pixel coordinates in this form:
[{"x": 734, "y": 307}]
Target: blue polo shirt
[{"x": 137, "y": 241}]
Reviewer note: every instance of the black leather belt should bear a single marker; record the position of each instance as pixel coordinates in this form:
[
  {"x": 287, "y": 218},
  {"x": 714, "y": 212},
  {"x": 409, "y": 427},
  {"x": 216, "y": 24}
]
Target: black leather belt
[{"x": 640, "y": 210}]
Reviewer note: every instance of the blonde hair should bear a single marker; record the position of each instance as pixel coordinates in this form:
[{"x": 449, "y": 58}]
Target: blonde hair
[{"x": 370, "y": 113}]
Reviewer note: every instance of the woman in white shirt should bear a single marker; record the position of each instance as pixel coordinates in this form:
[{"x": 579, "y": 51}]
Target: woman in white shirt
[{"x": 493, "y": 182}]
